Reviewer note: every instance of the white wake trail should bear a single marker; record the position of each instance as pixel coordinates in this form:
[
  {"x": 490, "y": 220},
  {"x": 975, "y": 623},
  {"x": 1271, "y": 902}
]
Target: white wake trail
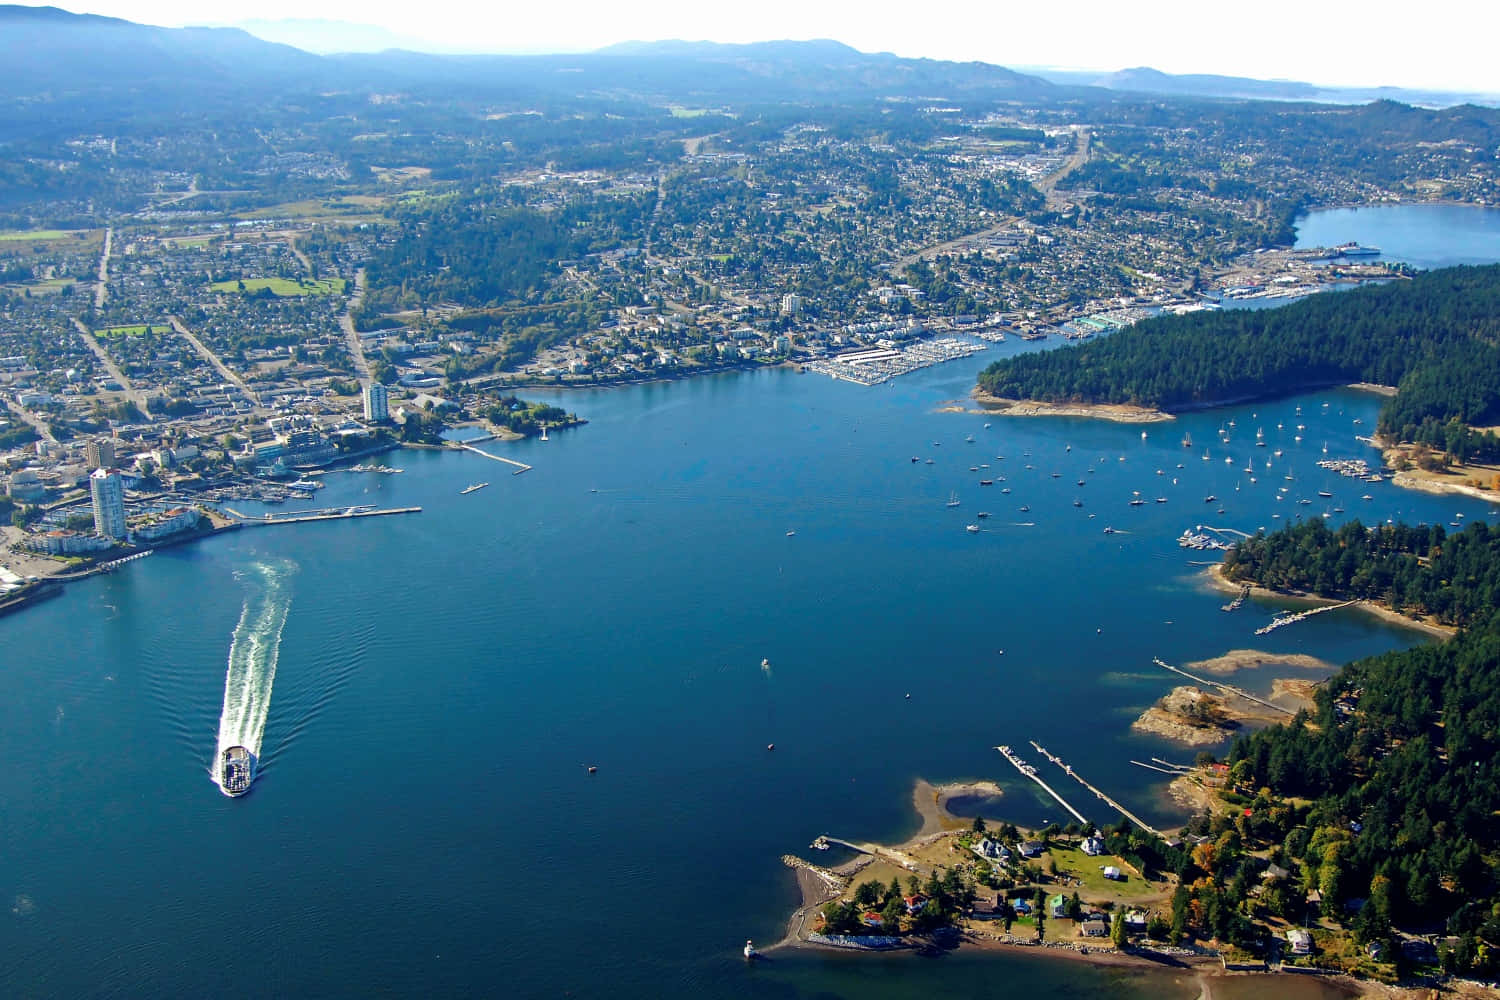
[{"x": 253, "y": 653}]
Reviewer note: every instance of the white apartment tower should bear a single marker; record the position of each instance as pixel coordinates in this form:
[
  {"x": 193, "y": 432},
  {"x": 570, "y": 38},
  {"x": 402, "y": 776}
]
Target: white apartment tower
[
  {"x": 108, "y": 489},
  {"x": 377, "y": 403}
]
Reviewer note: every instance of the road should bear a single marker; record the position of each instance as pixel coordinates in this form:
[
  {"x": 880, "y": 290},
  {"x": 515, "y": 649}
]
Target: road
[
  {"x": 1047, "y": 186},
  {"x": 40, "y": 426},
  {"x": 356, "y": 347},
  {"x": 207, "y": 355},
  {"x": 101, "y": 290},
  {"x": 135, "y": 395}
]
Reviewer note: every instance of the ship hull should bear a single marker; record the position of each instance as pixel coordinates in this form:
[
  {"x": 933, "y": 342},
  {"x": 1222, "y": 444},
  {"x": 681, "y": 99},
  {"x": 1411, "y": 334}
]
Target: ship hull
[{"x": 236, "y": 771}]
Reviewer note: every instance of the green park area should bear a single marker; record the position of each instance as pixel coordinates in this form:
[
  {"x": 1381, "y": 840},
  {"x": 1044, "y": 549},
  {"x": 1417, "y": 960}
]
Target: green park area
[{"x": 283, "y": 287}]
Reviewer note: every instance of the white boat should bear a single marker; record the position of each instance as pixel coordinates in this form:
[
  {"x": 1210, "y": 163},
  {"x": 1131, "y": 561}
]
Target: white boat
[
  {"x": 972, "y": 529},
  {"x": 953, "y": 500}
]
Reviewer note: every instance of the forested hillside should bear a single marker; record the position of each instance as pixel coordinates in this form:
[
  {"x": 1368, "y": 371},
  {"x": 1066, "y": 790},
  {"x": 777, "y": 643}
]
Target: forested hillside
[
  {"x": 1453, "y": 577},
  {"x": 1401, "y": 759},
  {"x": 1436, "y": 337}
]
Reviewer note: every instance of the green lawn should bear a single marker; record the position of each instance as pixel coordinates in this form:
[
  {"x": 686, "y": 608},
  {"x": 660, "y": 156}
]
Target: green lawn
[
  {"x": 284, "y": 287},
  {"x": 35, "y": 234},
  {"x": 134, "y": 330}
]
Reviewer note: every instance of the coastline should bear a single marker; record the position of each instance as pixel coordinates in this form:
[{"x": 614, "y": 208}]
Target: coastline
[
  {"x": 1120, "y": 413},
  {"x": 1202, "y": 968},
  {"x": 1214, "y": 577}
]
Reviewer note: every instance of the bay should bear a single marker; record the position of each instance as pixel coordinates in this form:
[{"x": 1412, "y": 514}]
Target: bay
[
  {"x": 1424, "y": 236},
  {"x": 425, "y": 821}
]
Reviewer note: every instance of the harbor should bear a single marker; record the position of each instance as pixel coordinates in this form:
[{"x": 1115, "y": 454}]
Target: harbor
[{"x": 881, "y": 364}]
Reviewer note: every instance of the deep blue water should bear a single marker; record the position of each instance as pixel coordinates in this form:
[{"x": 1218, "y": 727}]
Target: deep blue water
[
  {"x": 425, "y": 823},
  {"x": 1425, "y": 236}
]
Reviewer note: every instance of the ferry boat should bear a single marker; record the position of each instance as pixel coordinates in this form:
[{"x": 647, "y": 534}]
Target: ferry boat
[
  {"x": 1355, "y": 250},
  {"x": 236, "y": 771}
]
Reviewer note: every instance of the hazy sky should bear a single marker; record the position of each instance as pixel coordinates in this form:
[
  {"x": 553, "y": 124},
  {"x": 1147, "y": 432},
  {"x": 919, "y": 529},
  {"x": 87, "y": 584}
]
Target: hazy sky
[{"x": 1438, "y": 44}]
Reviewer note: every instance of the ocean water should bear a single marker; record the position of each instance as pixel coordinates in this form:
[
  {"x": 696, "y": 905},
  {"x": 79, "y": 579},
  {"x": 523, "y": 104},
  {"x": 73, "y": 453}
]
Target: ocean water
[{"x": 427, "y": 691}]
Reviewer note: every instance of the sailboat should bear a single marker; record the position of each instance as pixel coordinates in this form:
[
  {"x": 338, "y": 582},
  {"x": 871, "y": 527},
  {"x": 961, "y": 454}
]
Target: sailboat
[{"x": 953, "y": 500}]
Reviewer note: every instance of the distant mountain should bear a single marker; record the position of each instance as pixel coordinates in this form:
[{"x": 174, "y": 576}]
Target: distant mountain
[
  {"x": 325, "y": 37},
  {"x": 1144, "y": 80}
]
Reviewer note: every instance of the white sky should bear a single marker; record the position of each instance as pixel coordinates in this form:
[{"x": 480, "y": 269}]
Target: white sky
[{"x": 1439, "y": 44}]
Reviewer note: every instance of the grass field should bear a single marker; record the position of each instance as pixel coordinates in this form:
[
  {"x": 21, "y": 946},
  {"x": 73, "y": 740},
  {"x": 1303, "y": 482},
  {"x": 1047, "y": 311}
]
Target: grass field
[
  {"x": 354, "y": 204},
  {"x": 134, "y": 330},
  {"x": 41, "y": 235},
  {"x": 285, "y": 287}
]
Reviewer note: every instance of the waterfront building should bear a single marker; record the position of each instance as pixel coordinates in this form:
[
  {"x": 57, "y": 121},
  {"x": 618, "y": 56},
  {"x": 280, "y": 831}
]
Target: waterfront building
[
  {"x": 100, "y": 453},
  {"x": 377, "y": 403},
  {"x": 63, "y": 542},
  {"x": 108, "y": 489},
  {"x": 158, "y": 526}
]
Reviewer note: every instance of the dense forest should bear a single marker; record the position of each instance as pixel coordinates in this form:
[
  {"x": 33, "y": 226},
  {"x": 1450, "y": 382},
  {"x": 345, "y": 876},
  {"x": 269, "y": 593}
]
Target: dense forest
[
  {"x": 1455, "y": 578},
  {"x": 1386, "y": 798},
  {"x": 1435, "y": 337}
]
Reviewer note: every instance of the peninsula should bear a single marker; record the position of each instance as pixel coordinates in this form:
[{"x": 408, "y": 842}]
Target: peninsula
[{"x": 1433, "y": 336}]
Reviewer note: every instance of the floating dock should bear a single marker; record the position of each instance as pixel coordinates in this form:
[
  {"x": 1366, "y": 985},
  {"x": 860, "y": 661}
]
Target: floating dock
[
  {"x": 1104, "y": 798},
  {"x": 1030, "y": 772},
  {"x": 326, "y": 514},
  {"x": 1292, "y": 619}
]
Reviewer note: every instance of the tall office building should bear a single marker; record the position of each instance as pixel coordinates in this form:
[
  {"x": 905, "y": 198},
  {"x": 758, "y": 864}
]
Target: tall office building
[
  {"x": 108, "y": 489},
  {"x": 377, "y": 403},
  {"x": 100, "y": 453}
]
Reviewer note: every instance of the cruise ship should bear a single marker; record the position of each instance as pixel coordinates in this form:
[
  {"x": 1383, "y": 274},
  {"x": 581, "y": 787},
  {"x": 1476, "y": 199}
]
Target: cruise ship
[{"x": 236, "y": 770}]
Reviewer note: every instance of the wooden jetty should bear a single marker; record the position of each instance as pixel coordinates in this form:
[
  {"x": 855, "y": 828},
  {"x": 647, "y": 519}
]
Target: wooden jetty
[
  {"x": 1104, "y": 798},
  {"x": 1030, "y": 772},
  {"x": 1225, "y": 688},
  {"x": 1238, "y": 602}
]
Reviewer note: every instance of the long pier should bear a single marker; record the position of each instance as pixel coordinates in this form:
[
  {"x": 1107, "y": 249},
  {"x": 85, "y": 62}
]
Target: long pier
[
  {"x": 1225, "y": 688},
  {"x": 1030, "y": 772},
  {"x": 520, "y": 466},
  {"x": 326, "y": 514},
  {"x": 1105, "y": 798},
  {"x": 1300, "y": 616}
]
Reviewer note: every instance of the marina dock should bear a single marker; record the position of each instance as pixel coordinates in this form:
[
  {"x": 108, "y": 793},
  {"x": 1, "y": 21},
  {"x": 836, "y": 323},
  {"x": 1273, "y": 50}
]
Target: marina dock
[
  {"x": 520, "y": 466},
  {"x": 1229, "y": 689},
  {"x": 1300, "y": 616},
  {"x": 1030, "y": 772},
  {"x": 1104, "y": 798},
  {"x": 326, "y": 514}
]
